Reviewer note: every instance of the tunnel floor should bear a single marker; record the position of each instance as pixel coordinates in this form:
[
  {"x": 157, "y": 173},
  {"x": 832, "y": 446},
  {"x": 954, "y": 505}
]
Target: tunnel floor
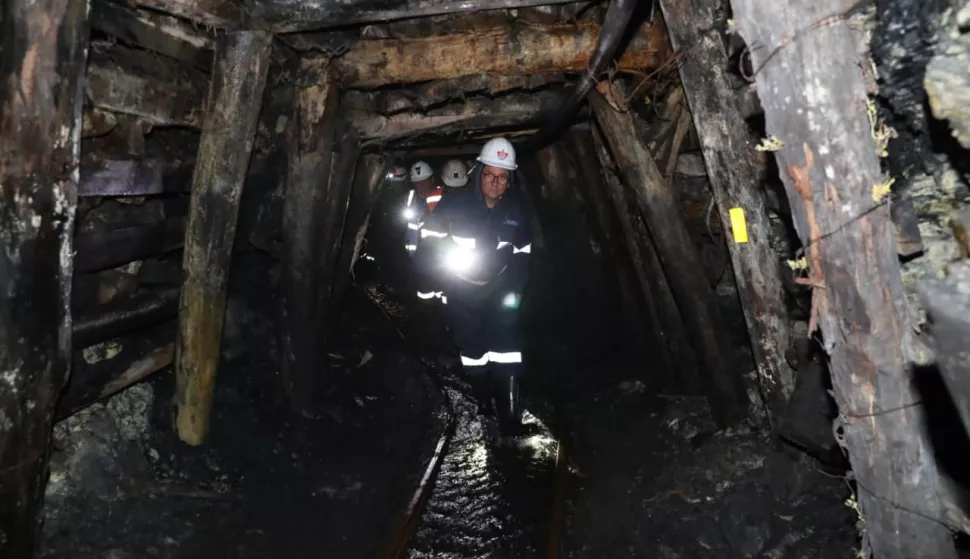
[{"x": 648, "y": 474}]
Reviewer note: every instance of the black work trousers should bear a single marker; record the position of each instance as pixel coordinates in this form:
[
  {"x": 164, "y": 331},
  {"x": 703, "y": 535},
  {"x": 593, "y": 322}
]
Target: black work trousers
[{"x": 487, "y": 334}]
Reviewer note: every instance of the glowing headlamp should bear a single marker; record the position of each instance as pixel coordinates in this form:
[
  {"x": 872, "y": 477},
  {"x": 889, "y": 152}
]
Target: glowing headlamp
[
  {"x": 408, "y": 213},
  {"x": 511, "y": 300},
  {"x": 460, "y": 260}
]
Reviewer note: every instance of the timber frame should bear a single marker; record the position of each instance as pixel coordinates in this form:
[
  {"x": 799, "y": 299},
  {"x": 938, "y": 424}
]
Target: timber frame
[{"x": 353, "y": 96}]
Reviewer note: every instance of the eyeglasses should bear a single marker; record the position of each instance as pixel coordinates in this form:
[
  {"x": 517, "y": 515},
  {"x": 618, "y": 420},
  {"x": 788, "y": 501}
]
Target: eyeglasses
[{"x": 501, "y": 179}]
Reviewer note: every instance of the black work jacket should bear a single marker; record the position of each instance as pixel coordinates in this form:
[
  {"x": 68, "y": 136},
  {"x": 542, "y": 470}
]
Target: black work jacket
[{"x": 501, "y": 238}]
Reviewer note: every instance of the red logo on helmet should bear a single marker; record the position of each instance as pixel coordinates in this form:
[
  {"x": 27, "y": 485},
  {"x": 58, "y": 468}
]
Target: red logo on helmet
[{"x": 502, "y": 154}]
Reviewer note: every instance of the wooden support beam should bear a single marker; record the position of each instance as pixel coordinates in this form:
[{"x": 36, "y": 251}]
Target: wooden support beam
[
  {"x": 815, "y": 102},
  {"x": 339, "y": 187},
  {"x": 106, "y": 322},
  {"x": 594, "y": 192},
  {"x": 734, "y": 174},
  {"x": 217, "y": 14},
  {"x": 474, "y": 114},
  {"x": 156, "y": 32},
  {"x": 961, "y": 232},
  {"x": 422, "y": 96},
  {"x": 228, "y": 132},
  {"x": 330, "y": 14},
  {"x": 666, "y": 328},
  {"x": 178, "y": 102},
  {"x": 43, "y": 47},
  {"x": 522, "y": 51},
  {"x": 109, "y": 249},
  {"x": 307, "y": 182},
  {"x": 367, "y": 178},
  {"x": 133, "y": 358},
  {"x": 681, "y": 261}
]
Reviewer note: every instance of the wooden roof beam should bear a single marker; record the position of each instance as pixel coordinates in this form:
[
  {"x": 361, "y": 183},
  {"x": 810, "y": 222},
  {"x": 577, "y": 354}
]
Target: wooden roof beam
[{"x": 506, "y": 50}]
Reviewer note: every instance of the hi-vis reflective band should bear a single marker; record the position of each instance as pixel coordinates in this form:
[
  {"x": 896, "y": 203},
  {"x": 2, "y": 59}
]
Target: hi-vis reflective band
[
  {"x": 411, "y": 247},
  {"x": 502, "y": 244},
  {"x": 430, "y": 233},
  {"x": 410, "y": 197},
  {"x": 527, "y": 249},
  {"x": 435, "y": 198},
  {"x": 414, "y": 226},
  {"x": 432, "y": 295},
  {"x": 493, "y": 357},
  {"x": 464, "y": 242}
]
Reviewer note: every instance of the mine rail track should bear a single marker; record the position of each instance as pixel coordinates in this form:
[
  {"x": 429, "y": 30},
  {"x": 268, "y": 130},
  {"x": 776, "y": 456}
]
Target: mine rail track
[{"x": 405, "y": 527}]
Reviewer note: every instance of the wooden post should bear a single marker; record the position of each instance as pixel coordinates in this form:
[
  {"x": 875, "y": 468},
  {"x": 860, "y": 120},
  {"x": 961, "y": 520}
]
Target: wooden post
[
  {"x": 815, "y": 103},
  {"x": 368, "y": 177},
  {"x": 594, "y": 191},
  {"x": 657, "y": 300},
  {"x": 235, "y": 97},
  {"x": 43, "y": 48},
  {"x": 735, "y": 178},
  {"x": 304, "y": 209},
  {"x": 681, "y": 261},
  {"x": 339, "y": 188}
]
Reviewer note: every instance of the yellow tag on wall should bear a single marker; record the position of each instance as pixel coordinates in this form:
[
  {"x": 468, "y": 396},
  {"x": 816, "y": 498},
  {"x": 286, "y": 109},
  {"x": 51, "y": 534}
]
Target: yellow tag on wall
[{"x": 738, "y": 225}]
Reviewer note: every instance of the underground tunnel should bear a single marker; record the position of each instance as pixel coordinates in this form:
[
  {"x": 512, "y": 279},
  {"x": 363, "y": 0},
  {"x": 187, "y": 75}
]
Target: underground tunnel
[{"x": 741, "y": 321}]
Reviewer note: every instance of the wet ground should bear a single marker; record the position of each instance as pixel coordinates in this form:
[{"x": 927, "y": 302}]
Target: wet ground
[{"x": 649, "y": 475}]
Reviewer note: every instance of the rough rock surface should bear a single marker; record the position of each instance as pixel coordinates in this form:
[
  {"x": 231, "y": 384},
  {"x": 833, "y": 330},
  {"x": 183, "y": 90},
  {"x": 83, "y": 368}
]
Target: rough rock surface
[{"x": 657, "y": 480}]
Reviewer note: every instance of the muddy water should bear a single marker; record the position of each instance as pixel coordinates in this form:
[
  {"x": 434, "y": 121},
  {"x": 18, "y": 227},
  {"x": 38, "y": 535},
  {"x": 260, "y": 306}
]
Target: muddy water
[{"x": 489, "y": 500}]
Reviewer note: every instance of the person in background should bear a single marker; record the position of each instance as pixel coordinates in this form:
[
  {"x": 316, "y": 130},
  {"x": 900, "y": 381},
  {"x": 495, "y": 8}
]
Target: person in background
[
  {"x": 454, "y": 174},
  {"x": 421, "y": 201},
  {"x": 473, "y": 254}
]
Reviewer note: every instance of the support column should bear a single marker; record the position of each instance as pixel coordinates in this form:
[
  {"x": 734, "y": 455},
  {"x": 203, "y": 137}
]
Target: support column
[
  {"x": 43, "y": 49},
  {"x": 680, "y": 260},
  {"x": 369, "y": 174},
  {"x": 735, "y": 178},
  {"x": 228, "y": 128},
  {"x": 309, "y": 160},
  {"x": 814, "y": 96},
  {"x": 654, "y": 293}
]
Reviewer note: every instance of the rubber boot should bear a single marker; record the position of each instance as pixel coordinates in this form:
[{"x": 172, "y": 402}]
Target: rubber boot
[{"x": 510, "y": 414}]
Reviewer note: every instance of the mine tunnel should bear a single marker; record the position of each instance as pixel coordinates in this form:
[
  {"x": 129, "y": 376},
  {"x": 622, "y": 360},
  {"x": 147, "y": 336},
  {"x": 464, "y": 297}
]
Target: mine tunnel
[{"x": 740, "y": 230}]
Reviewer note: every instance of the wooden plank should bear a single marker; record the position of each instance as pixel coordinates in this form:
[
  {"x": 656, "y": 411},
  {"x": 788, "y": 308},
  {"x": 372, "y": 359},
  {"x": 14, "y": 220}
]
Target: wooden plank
[
  {"x": 815, "y": 103},
  {"x": 947, "y": 304},
  {"x": 217, "y": 14},
  {"x": 158, "y": 101},
  {"x": 368, "y": 177},
  {"x": 123, "y": 177},
  {"x": 155, "y": 32},
  {"x": 110, "y": 249},
  {"x": 504, "y": 50},
  {"x": 330, "y": 14},
  {"x": 309, "y": 162},
  {"x": 106, "y": 322},
  {"x": 960, "y": 224},
  {"x": 682, "y": 264},
  {"x": 734, "y": 174},
  {"x": 473, "y": 114},
  {"x": 228, "y": 133},
  {"x": 99, "y": 374},
  {"x": 43, "y": 48},
  {"x": 424, "y": 95}
]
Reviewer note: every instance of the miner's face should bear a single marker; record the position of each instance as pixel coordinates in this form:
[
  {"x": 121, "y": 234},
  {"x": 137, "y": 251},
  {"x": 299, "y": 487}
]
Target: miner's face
[{"x": 495, "y": 181}]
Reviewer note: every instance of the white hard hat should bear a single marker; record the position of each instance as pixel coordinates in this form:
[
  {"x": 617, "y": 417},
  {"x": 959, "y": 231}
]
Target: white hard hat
[
  {"x": 421, "y": 171},
  {"x": 454, "y": 173},
  {"x": 498, "y": 152}
]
